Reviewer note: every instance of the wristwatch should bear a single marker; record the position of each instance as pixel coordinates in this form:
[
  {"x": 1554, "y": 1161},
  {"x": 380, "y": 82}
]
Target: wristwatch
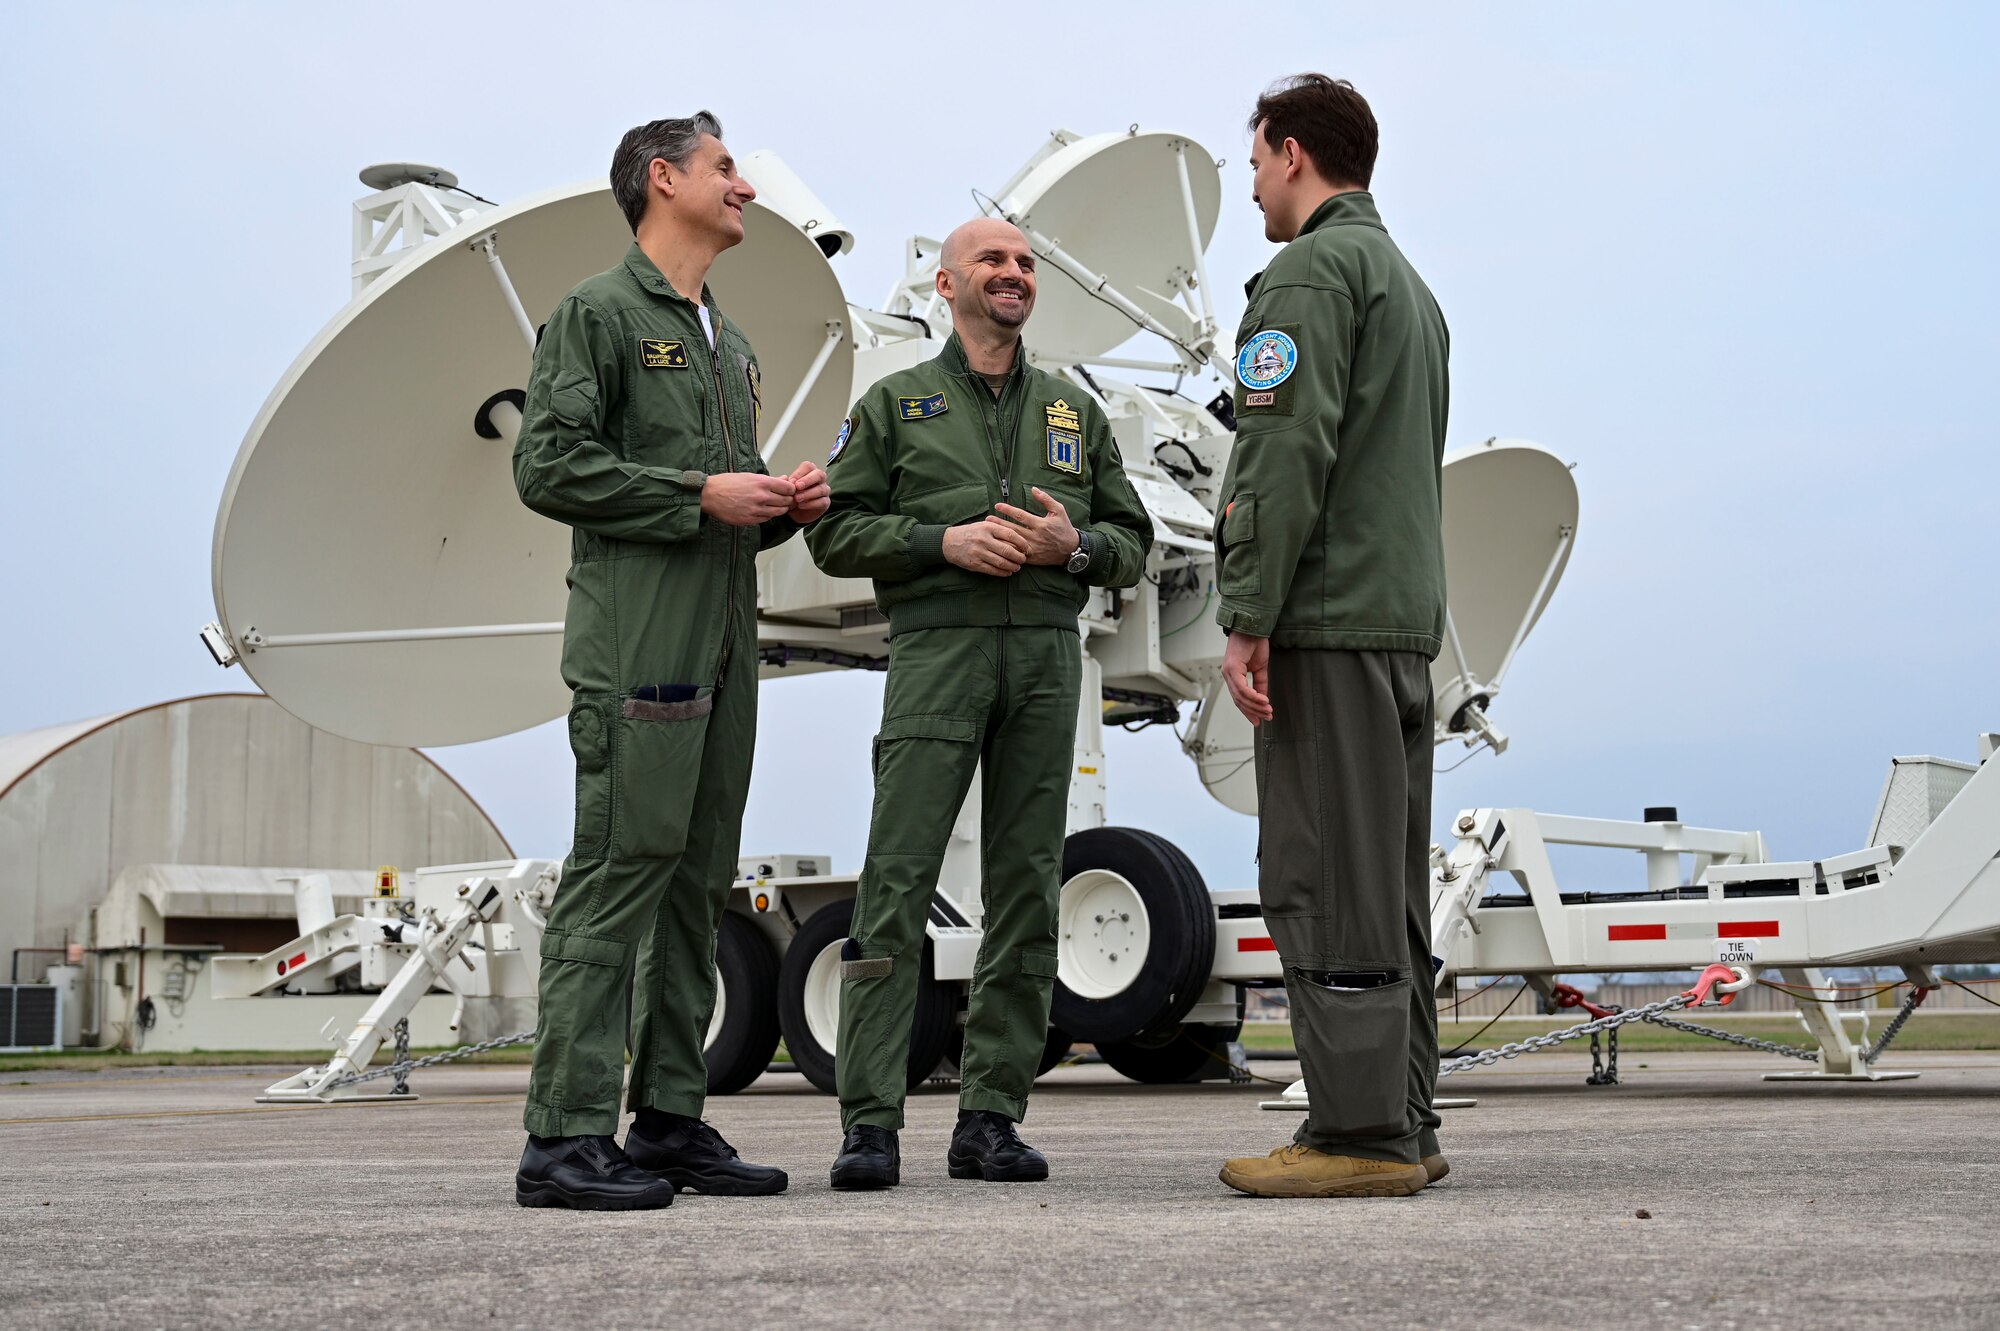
[{"x": 1079, "y": 559}]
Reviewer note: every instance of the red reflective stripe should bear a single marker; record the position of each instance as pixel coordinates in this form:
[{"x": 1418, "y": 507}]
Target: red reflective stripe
[
  {"x": 1638, "y": 933},
  {"x": 297, "y": 961},
  {"x": 1748, "y": 929},
  {"x": 1255, "y": 945}
]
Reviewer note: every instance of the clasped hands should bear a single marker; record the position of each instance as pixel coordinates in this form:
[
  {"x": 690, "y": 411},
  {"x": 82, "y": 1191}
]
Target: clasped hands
[
  {"x": 1010, "y": 537},
  {"x": 748, "y": 498}
]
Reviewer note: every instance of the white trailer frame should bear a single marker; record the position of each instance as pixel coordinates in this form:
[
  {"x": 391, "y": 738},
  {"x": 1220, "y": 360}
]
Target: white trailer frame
[{"x": 1924, "y": 894}]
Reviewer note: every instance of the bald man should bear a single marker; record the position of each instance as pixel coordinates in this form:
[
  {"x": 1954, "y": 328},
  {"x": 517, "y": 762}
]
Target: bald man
[{"x": 985, "y": 498}]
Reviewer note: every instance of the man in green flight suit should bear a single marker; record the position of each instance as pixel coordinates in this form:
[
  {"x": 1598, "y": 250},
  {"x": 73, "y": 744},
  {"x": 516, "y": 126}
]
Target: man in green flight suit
[
  {"x": 930, "y": 477},
  {"x": 640, "y": 432},
  {"x": 1330, "y": 570}
]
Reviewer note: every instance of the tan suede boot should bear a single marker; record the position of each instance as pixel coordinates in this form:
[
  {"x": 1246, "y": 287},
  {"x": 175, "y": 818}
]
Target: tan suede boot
[{"x": 1300, "y": 1171}]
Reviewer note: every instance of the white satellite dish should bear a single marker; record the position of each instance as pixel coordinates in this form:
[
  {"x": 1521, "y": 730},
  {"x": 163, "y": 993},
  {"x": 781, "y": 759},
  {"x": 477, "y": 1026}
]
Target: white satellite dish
[
  {"x": 1115, "y": 206},
  {"x": 373, "y": 565},
  {"x": 1510, "y": 510}
]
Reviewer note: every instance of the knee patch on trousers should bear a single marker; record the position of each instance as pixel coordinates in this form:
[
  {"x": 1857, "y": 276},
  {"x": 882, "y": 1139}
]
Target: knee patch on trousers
[{"x": 854, "y": 966}]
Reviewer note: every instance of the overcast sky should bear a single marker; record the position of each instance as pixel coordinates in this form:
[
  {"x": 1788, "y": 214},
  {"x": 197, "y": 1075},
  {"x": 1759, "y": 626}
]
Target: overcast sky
[{"x": 1736, "y": 262}]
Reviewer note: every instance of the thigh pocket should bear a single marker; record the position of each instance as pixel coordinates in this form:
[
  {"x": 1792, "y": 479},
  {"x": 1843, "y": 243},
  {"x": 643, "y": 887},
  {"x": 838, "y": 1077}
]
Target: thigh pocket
[
  {"x": 922, "y": 764},
  {"x": 1291, "y": 866},
  {"x": 659, "y": 764},
  {"x": 590, "y": 742}
]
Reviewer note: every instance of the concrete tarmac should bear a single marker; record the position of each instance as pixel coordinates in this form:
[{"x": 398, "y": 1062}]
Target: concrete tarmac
[{"x": 138, "y": 1199}]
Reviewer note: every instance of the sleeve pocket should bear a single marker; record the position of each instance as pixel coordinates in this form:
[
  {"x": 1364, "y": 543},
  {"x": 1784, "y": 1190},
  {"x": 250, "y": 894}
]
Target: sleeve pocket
[
  {"x": 1239, "y": 574},
  {"x": 574, "y": 403}
]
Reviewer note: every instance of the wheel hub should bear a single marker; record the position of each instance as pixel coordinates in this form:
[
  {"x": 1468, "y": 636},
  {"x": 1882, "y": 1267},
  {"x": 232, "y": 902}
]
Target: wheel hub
[{"x": 1104, "y": 934}]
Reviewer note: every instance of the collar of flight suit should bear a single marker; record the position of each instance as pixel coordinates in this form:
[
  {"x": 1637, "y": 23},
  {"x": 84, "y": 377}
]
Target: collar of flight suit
[
  {"x": 1355, "y": 207},
  {"x": 952, "y": 358},
  {"x": 648, "y": 275}
]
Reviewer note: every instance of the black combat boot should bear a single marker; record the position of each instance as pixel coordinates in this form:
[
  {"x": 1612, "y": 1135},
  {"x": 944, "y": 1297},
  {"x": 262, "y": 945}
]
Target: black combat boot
[
  {"x": 984, "y": 1145},
  {"x": 586, "y": 1174},
  {"x": 869, "y": 1159},
  {"x": 690, "y": 1154}
]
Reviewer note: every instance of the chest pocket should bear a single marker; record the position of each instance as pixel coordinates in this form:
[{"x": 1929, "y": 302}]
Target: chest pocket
[{"x": 666, "y": 401}]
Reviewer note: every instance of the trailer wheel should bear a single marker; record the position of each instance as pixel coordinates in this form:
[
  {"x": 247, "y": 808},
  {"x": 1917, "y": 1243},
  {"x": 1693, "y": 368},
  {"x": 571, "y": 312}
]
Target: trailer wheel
[
  {"x": 1136, "y": 935},
  {"x": 1055, "y": 1050},
  {"x": 743, "y": 1031},
  {"x": 809, "y": 1002},
  {"x": 1182, "y": 1056}
]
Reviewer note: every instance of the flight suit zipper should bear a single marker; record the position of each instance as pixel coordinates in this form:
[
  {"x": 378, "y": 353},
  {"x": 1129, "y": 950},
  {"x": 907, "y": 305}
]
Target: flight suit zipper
[
  {"x": 728, "y": 465},
  {"x": 1004, "y": 453}
]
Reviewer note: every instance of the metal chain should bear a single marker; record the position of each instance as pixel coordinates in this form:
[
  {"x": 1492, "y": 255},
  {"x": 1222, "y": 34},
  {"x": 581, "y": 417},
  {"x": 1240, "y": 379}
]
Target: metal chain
[
  {"x": 1895, "y": 1027},
  {"x": 406, "y": 1066},
  {"x": 1535, "y": 1043},
  {"x": 400, "y": 1065},
  {"x": 1601, "y": 1073},
  {"x": 1747, "y": 1041},
  {"x": 1652, "y": 1012}
]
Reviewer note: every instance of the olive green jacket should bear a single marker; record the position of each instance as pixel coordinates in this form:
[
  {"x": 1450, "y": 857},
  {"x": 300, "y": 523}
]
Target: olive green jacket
[
  {"x": 1331, "y": 532},
  {"x": 629, "y": 411},
  {"x": 929, "y": 448}
]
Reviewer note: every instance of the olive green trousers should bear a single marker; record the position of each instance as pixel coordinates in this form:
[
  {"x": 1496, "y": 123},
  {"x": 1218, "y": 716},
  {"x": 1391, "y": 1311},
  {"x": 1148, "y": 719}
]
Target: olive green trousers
[
  {"x": 1344, "y": 799},
  {"x": 958, "y": 698},
  {"x": 629, "y": 956}
]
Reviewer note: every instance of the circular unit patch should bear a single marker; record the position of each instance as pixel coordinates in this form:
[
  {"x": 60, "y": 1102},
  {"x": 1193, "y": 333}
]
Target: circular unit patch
[{"x": 1267, "y": 360}]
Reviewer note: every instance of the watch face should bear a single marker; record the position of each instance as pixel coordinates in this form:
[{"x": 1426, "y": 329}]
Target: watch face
[{"x": 1079, "y": 561}]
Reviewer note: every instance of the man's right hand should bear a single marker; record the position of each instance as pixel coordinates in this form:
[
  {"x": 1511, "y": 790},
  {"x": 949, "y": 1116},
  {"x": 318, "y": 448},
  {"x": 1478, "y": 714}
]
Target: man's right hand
[
  {"x": 745, "y": 498},
  {"x": 993, "y": 548}
]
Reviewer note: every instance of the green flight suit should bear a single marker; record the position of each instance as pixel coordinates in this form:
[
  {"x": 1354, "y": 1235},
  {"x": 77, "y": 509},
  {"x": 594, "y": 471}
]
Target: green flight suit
[
  {"x": 981, "y": 669},
  {"x": 1331, "y": 545},
  {"x": 629, "y": 411}
]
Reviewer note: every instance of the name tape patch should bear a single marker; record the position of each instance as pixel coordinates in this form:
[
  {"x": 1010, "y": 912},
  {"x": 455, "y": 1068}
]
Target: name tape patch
[
  {"x": 921, "y": 408},
  {"x": 660, "y": 354}
]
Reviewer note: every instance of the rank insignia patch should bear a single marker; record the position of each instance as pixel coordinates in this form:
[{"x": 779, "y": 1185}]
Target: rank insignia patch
[
  {"x": 840, "y": 441},
  {"x": 1266, "y": 360},
  {"x": 1066, "y": 451},
  {"x": 1062, "y": 416},
  {"x": 656, "y": 354},
  {"x": 921, "y": 408}
]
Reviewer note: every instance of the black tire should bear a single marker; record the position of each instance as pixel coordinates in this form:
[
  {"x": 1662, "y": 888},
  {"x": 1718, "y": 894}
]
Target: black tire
[
  {"x": 931, "y": 1032},
  {"x": 1055, "y": 1051},
  {"x": 746, "y": 978},
  {"x": 1180, "y": 949},
  {"x": 1184, "y": 1055}
]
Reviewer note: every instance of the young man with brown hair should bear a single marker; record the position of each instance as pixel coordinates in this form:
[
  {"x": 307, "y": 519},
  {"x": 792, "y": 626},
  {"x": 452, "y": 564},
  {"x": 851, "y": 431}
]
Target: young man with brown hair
[{"x": 1330, "y": 569}]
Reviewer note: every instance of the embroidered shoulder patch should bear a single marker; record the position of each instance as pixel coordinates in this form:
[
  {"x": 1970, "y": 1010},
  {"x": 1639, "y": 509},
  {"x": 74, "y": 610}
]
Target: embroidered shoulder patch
[
  {"x": 840, "y": 440},
  {"x": 921, "y": 408},
  {"x": 661, "y": 354},
  {"x": 1266, "y": 360}
]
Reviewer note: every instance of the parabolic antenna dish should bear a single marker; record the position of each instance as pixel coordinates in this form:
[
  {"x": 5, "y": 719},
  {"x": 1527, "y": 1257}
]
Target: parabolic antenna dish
[
  {"x": 1510, "y": 511},
  {"x": 364, "y": 504},
  {"x": 1509, "y": 525},
  {"x": 1114, "y": 203}
]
